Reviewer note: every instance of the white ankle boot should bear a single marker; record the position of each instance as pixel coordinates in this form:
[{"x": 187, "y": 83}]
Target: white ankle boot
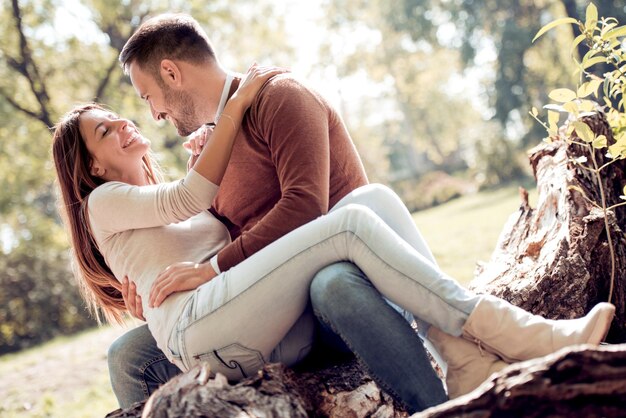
[
  {"x": 468, "y": 366},
  {"x": 515, "y": 335}
]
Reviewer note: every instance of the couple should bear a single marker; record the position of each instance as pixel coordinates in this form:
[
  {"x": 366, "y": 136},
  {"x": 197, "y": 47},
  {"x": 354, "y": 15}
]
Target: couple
[{"x": 296, "y": 247}]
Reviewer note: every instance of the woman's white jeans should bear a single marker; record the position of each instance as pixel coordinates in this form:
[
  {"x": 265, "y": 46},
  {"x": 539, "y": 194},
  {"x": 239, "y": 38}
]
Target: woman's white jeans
[{"x": 258, "y": 310}]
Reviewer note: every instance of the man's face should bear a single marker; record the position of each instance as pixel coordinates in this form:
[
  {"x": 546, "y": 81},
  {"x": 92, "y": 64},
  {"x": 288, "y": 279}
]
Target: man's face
[{"x": 175, "y": 105}]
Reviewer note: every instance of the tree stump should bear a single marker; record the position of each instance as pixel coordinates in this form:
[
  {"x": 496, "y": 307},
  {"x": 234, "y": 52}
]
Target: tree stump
[{"x": 552, "y": 260}]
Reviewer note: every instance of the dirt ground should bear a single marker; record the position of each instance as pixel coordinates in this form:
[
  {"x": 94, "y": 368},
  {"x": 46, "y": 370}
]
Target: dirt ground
[{"x": 34, "y": 382}]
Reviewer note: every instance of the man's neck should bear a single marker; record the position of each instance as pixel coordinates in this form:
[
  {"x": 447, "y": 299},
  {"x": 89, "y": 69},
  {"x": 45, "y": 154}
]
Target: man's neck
[{"x": 207, "y": 83}]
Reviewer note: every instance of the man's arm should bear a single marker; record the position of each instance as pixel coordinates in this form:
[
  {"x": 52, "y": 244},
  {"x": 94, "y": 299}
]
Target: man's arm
[{"x": 294, "y": 122}]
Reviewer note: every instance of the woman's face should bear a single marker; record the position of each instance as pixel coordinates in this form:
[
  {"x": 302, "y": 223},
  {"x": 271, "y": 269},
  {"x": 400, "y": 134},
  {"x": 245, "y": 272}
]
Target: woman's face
[{"x": 115, "y": 144}]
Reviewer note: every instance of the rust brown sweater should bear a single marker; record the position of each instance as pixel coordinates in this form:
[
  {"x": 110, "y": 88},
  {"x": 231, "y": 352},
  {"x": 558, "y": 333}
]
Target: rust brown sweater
[{"x": 292, "y": 160}]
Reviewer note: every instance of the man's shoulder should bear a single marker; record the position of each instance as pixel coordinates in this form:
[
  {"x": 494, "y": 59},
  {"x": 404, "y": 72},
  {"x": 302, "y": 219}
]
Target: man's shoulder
[
  {"x": 286, "y": 90},
  {"x": 286, "y": 84}
]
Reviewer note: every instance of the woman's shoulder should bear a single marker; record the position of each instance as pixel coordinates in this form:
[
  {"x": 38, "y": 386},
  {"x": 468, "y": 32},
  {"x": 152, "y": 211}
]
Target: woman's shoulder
[{"x": 107, "y": 190}]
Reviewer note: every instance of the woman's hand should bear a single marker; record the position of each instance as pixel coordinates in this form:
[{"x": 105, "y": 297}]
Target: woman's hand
[
  {"x": 131, "y": 299},
  {"x": 253, "y": 81},
  {"x": 196, "y": 140},
  {"x": 177, "y": 278}
]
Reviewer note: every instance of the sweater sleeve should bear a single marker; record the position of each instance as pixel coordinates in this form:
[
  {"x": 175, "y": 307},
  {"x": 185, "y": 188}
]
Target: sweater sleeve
[
  {"x": 294, "y": 123},
  {"x": 114, "y": 206}
]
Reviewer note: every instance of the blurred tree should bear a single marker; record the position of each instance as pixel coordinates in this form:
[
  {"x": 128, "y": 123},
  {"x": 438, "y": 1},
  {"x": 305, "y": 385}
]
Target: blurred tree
[
  {"x": 522, "y": 76},
  {"x": 426, "y": 118},
  {"x": 52, "y": 57}
]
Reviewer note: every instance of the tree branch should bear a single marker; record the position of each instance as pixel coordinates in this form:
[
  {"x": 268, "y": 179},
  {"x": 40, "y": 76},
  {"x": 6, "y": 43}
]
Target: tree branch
[
  {"x": 105, "y": 81},
  {"x": 17, "y": 106},
  {"x": 28, "y": 68},
  {"x": 117, "y": 41}
]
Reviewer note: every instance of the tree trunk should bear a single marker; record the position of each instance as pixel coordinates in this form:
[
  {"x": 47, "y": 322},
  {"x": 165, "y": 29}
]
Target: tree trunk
[{"x": 553, "y": 260}]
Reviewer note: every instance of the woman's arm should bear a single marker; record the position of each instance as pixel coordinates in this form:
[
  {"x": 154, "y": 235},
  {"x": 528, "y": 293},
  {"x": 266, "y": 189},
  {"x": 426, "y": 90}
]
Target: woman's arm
[
  {"x": 116, "y": 207},
  {"x": 213, "y": 159}
]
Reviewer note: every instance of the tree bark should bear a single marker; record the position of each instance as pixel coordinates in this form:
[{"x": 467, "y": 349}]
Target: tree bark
[
  {"x": 582, "y": 382},
  {"x": 343, "y": 390},
  {"x": 552, "y": 260}
]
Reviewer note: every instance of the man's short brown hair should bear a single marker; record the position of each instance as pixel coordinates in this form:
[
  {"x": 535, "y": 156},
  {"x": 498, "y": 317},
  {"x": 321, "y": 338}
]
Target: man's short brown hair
[{"x": 167, "y": 36}]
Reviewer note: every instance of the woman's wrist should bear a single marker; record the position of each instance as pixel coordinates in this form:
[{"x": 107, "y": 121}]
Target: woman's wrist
[
  {"x": 207, "y": 272},
  {"x": 241, "y": 102}
]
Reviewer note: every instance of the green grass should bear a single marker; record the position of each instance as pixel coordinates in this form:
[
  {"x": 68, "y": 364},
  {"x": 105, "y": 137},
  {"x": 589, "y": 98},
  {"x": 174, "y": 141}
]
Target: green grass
[
  {"x": 466, "y": 230},
  {"x": 68, "y": 377}
]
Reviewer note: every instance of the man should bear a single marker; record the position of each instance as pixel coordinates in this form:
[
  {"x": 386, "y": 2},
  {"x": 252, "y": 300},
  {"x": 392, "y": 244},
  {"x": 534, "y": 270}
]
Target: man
[{"x": 293, "y": 159}]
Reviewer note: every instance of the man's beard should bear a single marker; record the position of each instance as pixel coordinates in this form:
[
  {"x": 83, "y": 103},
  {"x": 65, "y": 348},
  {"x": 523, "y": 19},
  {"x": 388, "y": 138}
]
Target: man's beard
[{"x": 185, "y": 122}]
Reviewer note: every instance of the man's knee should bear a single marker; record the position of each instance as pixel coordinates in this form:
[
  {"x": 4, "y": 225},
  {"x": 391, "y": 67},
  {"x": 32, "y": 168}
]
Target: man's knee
[
  {"x": 332, "y": 284},
  {"x": 128, "y": 351}
]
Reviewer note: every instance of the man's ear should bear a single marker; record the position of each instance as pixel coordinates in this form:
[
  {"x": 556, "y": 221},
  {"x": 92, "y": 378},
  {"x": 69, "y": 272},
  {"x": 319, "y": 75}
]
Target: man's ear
[{"x": 170, "y": 73}]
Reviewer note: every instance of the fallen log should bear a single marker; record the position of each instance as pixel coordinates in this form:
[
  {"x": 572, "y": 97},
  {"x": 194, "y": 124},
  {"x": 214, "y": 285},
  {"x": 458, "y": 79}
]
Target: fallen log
[
  {"x": 343, "y": 390},
  {"x": 582, "y": 381}
]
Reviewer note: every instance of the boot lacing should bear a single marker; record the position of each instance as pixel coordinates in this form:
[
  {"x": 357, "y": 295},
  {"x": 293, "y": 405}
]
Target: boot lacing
[{"x": 480, "y": 346}]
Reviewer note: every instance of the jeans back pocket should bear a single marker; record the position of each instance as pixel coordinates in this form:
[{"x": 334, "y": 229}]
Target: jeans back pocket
[{"x": 233, "y": 361}]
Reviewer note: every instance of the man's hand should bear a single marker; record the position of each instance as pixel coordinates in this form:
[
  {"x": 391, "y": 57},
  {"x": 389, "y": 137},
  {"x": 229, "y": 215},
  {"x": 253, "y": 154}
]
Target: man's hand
[
  {"x": 177, "y": 278},
  {"x": 196, "y": 142},
  {"x": 131, "y": 299}
]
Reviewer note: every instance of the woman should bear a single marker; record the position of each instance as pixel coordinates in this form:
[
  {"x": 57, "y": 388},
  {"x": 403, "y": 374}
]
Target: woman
[{"x": 124, "y": 221}]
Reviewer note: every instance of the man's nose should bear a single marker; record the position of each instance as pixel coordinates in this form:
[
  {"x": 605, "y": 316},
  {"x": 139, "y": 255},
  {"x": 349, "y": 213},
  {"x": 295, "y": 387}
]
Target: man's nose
[{"x": 155, "y": 115}]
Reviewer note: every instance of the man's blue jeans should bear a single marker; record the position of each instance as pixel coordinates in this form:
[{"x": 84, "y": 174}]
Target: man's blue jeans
[{"x": 351, "y": 312}]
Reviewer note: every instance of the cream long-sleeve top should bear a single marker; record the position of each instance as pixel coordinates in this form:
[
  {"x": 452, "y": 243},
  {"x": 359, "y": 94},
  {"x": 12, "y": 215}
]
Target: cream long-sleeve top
[{"x": 141, "y": 230}]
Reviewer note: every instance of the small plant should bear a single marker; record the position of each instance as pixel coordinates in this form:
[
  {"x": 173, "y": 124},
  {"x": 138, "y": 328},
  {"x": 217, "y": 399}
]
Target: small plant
[{"x": 606, "y": 45}]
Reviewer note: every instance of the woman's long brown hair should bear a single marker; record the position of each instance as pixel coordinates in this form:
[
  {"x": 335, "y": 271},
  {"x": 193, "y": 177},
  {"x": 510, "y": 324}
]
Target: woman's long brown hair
[{"x": 98, "y": 286}]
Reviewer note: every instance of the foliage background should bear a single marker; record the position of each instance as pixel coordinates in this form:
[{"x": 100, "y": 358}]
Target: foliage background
[{"x": 434, "y": 92}]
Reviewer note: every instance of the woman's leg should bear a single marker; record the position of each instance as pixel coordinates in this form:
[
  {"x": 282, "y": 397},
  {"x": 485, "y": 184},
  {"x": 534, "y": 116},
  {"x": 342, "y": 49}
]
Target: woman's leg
[
  {"x": 256, "y": 303},
  {"x": 480, "y": 325},
  {"x": 389, "y": 207},
  {"x": 240, "y": 316},
  {"x": 385, "y": 203}
]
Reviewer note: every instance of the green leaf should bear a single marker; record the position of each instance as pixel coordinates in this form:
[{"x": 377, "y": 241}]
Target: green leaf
[
  {"x": 614, "y": 33},
  {"x": 607, "y": 27},
  {"x": 599, "y": 142},
  {"x": 591, "y": 19},
  {"x": 553, "y": 119},
  {"x": 583, "y": 131},
  {"x": 577, "y": 40},
  {"x": 590, "y": 54},
  {"x": 617, "y": 150},
  {"x": 562, "y": 95},
  {"x": 588, "y": 88},
  {"x": 571, "y": 107},
  {"x": 586, "y": 106},
  {"x": 554, "y": 24},
  {"x": 593, "y": 61}
]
